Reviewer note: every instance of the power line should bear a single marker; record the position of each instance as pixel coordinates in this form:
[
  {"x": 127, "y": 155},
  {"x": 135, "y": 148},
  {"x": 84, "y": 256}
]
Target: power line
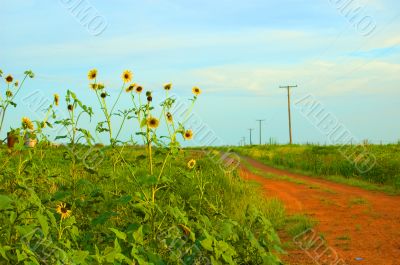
[{"x": 289, "y": 114}]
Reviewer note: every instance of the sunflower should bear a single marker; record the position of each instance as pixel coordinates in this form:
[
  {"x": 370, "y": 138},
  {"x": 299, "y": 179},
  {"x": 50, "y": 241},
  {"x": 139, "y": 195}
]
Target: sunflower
[
  {"x": 92, "y": 74},
  {"x": 188, "y": 135},
  {"x": 93, "y": 86},
  {"x": 9, "y": 94},
  {"x": 169, "y": 117},
  {"x": 127, "y": 76},
  {"x": 152, "y": 122},
  {"x": 191, "y": 163},
  {"x": 100, "y": 86},
  {"x": 63, "y": 210},
  {"x": 70, "y": 107},
  {"x": 103, "y": 95},
  {"x": 196, "y": 91},
  {"x": 168, "y": 86},
  {"x": 138, "y": 89},
  {"x": 27, "y": 123},
  {"x": 16, "y": 83},
  {"x": 56, "y": 99},
  {"x": 9, "y": 79},
  {"x": 130, "y": 88}
]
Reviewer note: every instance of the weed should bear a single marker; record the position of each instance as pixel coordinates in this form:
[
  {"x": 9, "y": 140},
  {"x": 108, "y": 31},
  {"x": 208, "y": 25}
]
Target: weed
[
  {"x": 358, "y": 201},
  {"x": 299, "y": 223}
]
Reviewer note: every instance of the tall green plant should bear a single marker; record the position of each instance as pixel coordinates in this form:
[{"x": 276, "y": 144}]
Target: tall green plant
[{"x": 8, "y": 99}]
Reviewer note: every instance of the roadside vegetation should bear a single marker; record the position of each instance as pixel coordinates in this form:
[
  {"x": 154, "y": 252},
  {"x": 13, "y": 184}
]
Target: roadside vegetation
[
  {"x": 145, "y": 200},
  {"x": 330, "y": 163}
]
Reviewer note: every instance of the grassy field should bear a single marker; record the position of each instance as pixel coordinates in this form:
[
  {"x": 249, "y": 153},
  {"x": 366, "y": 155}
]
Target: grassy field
[{"x": 334, "y": 163}]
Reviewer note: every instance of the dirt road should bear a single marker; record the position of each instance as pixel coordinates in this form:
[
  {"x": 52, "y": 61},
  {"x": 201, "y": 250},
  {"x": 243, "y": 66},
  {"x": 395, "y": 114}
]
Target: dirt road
[{"x": 362, "y": 227}]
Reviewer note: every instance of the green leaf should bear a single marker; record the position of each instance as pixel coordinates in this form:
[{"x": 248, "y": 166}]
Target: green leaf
[
  {"x": 138, "y": 235},
  {"x": 143, "y": 123},
  {"x": 119, "y": 234},
  {"x": 79, "y": 256},
  {"x": 51, "y": 217},
  {"x": 148, "y": 180},
  {"x": 43, "y": 223},
  {"x": 103, "y": 218},
  {"x": 124, "y": 199},
  {"x": 61, "y": 137},
  {"x": 5, "y": 202},
  {"x": 207, "y": 243},
  {"x": 60, "y": 195},
  {"x": 3, "y": 250}
]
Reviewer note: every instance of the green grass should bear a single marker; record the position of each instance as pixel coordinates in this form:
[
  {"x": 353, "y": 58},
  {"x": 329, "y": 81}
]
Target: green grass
[
  {"x": 299, "y": 223},
  {"x": 327, "y": 162},
  {"x": 358, "y": 201},
  {"x": 286, "y": 178},
  {"x": 344, "y": 238},
  {"x": 275, "y": 212},
  {"x": 327, "y": 202}
]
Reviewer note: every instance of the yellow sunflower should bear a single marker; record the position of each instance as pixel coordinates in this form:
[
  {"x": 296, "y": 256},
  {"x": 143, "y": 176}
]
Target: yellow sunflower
[
  {"x": 9, "y": 79},
  {"x": 56, "y": 99},
  {"x": 27, "y": 123},
  {"x": 169, "y": 117},
  {"x": 168, "y": 86},
  {"x": 139, "y": 89},
  {"x": 92, "y": 74},
  {"x": 127, "y": 76},
  {"x": 130, "y": 88},
  {"x": 191, "y": 164},
  {"x": 63, "y": 210},
  {"x": 152, "y": 122},
  {"x": 188, "y": 135},
  {"x": 9, "y": 94},
  {"x": 16, "y": 83},
  {"x": 93, "y": 86},
  {"x": 196, "y": 91}
]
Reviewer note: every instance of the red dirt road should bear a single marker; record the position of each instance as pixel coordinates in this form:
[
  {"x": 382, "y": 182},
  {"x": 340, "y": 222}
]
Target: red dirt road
[{"x": 355, "y": 223}]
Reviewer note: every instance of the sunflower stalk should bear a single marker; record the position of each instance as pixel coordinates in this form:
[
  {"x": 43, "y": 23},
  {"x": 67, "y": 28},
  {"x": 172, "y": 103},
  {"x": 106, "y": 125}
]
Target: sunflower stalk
[
  {"x": 139, "y": 114},
  {"x": 155, "y": 187},
  {"x": 119, "y": 96},
  {"x": 108, "y": 118},
  {"x": 149, "y": 142},
  {"x": 7, "y": 102}
]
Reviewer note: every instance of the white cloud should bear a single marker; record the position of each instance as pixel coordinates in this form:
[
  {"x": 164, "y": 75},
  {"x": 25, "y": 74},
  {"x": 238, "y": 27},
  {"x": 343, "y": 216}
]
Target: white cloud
[{"x": 322, "y": 78}]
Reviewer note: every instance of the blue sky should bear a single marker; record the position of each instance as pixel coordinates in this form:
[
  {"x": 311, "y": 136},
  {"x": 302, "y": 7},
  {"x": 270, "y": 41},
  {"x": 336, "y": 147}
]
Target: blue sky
[{"x": 237, "y": 52}]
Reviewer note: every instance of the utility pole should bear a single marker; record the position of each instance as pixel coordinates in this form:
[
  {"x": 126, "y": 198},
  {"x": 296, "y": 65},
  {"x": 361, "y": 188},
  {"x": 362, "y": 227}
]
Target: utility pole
[
  {"x": 260, "y": 121},
  {"x": 244, "y": 140},
  {"x": 250, "y": 130},
  {"x": 290, "y": 117}
]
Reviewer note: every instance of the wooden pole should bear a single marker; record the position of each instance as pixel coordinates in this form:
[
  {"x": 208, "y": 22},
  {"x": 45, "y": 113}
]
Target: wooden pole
[
  {"x": 289, "y": 112},
  {"x": 250, "y": 130},
  {"x": 260, "y": 121}
]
